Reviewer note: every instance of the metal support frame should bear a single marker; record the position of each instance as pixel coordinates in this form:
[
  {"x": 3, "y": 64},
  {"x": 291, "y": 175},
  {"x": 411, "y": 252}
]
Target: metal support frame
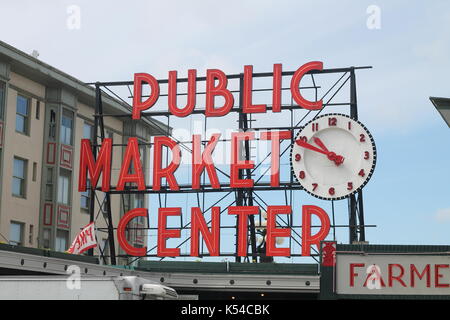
[
  {"x": 242, "y": 196},
  {"x": 99, "y": 125},
  {"x": 355, "y": 202}
]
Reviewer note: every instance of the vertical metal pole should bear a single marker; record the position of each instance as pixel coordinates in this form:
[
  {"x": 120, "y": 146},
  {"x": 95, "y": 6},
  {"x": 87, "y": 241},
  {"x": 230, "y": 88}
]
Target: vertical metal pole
[
  {"x": 352, "y": 201},
  {"x": 94, "y": 153},
  {"x": 356, "y": 210},
  {"x": 353, "y": 99},
  {"x": 362, "y": 232},
  {"x": 240, "y": 192},
  {"x": 247, "y": 194},
  {"x": 239, "y": 202},
  {"x": 352, "y": 219},
  {"x": 112, "y": 247}
]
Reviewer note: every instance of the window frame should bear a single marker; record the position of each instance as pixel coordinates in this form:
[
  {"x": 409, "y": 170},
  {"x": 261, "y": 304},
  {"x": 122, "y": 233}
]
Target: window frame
[
  {"x": 65, "y": 192},
  {"x": 25, "y": 116},
  {"x": 57, "y": 240},
  {"x": 45, "y": 232},
  {"x": 2, "y": 99},
  {"x": 22, "y": 227},
  {"x": 91, "y": 136},
  {"x": 63, "y": 133},
  {"x": 23, "y": 186},
  {"x": 87, "y": 195}
]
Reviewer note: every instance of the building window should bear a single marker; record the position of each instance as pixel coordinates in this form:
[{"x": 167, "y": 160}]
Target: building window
[
  {"x": 2, "y": 99},
  {"x": 49, "y": 185},
  {"x": 38, "y": 109},
  {"x": 46, "y": 234},
  {"x": 66, "y": 127},
  {"x": 22, "y": 114},
  {"x": 16, "y": 233},
  {"x": 34, "y": 171},
  {"x": 31, "y": 235},
  {"x": 52, "y": 126},
  {"x": 64, "y": 187},
  {"x": 88, "y": 131},
  {"x": 19, "y": 177},
  {"x": 62, "y": 237},
  {"x": 85, "y": 199}
]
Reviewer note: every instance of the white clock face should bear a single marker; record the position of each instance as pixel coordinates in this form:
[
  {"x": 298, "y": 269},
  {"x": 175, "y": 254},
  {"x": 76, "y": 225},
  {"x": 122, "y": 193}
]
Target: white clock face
[{"x": 333, "y": 156}]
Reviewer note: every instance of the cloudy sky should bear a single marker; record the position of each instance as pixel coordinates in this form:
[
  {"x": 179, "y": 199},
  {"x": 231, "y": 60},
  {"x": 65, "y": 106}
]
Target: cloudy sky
[{"x": 407, "y": 44}]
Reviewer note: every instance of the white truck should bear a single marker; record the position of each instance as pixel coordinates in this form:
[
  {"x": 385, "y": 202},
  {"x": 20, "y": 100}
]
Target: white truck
[{"x": 83, "y": 288}]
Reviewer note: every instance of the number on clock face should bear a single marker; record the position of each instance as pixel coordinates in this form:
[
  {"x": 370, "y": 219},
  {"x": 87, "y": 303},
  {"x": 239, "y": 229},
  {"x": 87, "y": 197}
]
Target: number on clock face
[
  {"x": 315, "y": 127},
  {"x": 336, "y": 158}
]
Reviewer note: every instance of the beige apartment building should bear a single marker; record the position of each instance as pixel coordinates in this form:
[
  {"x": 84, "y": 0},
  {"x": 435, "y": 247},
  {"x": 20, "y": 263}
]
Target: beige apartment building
[{"x": 44, "y": 114}]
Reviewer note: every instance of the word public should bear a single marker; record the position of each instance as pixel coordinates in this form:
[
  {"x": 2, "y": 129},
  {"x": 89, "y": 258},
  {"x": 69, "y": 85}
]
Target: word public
[
  {"x": 131, "y": 171},
  {"x": 216, "y": 85}
]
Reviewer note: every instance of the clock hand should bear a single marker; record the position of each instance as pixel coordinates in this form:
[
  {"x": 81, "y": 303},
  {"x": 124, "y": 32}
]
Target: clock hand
[
  {"x": 306, "y": 145},
  {"x": 320, "y": 144},
  {"x": 337, "y": 159}
]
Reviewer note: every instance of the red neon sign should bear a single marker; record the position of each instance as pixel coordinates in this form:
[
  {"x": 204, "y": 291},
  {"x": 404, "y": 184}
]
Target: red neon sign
[
  {"x": 202, "y": 160},
  {"x": 216, "y": 85},
  {"x": 211, "y": 236}
]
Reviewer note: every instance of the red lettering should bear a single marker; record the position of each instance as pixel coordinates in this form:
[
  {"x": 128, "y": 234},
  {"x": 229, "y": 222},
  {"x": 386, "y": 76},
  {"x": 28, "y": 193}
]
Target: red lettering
[
  {"x": 88, "y": 233},
  {"x": 438, "y": 275},
  {"x": 295, "y": 83},
  {"x": 82, "y": 239},
  {"x": 200, "y": 161},
  {"x": 168, "y": 172},
  {"x": 307, "y": 239},
  {"x": 398, "y": 278},
  {"x": 191, "y": 94},
  {"x": 276, "y": 138},
  {"x": 138, "y": 105},
  {"x": 220, "y": 90},
  {"x": 95, "y": 168},
  {"x": 131, "y": 156},
  {"x": 248, "y": 107},
  {"x": 198, "y": 224},
  {"x": 273, "y": 232},
  {"x": 276, "y": 95},
  {"x": 164, "y": 233},
  {"x": 121, "y": 236},
  {"x": 353, "y": 274},
  {"x": 414, "y": 271},
  {"x": 243, "y": 212},
  {"x": 237, "y": 164}
]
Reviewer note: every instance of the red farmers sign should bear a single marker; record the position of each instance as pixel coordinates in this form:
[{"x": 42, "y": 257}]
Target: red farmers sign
[
  {"x": 389, "y": 274},
  {"x": 216, "y": 85}
]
